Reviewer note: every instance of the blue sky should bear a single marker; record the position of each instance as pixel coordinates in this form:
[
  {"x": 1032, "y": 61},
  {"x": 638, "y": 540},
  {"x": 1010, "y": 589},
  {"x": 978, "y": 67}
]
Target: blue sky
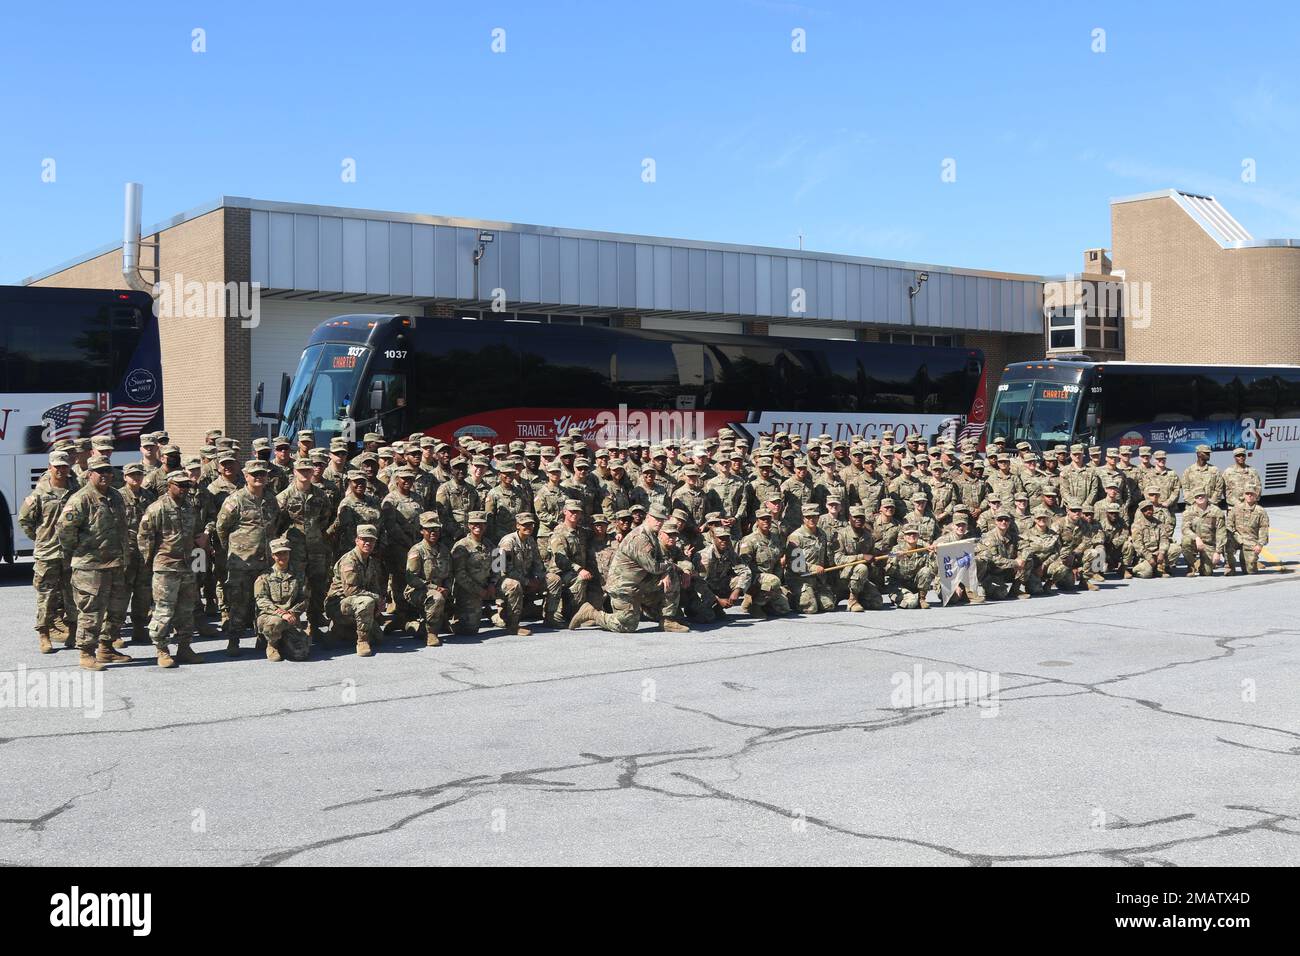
[{"x": 752, "y": 142}]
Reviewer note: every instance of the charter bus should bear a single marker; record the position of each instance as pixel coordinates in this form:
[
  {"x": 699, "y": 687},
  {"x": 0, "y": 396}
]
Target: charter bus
[
  {"x": 501, "y": 381},
  {"x": 76, "y": 363},
  {"x": 1169, "y": 407}
]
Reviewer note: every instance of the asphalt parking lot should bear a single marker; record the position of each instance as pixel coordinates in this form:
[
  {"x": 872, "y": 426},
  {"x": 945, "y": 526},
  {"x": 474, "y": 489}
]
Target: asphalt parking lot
[{"x": 1150, "y": 723}]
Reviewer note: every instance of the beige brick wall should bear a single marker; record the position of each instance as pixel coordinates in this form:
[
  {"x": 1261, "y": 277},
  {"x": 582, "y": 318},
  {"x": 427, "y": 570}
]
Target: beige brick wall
[
  {"x": 195, "y": 351},
  {"x": 1207, "y": 304}
]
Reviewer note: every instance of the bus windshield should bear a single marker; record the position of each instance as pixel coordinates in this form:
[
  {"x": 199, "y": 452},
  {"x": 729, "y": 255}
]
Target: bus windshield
[
  {"x": 325, "y": 382},
  {"x": 1039, "y": 412}
]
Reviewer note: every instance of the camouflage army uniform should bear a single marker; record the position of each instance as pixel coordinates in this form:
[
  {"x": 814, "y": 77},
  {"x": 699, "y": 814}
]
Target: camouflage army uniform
[
  {"x": 245, "y": 527},
  {"x": 472, "y": 573},
  {"x": 428, "y": 584},
  {"x": 219, "y": 490},
  {"x": 352, "y": 513},
  {"x": 794, "y": 495},
  {"x": 1116, "y": 543},
  {"x": 1080, "y": 482},
  {"x": 633, "y": 583},
  {"x": 1248, "y": 528},
  {"x": 305, "y": 516},
  {"x": 275, "y": 593},
  {"x": 1149, "y": 542},
  {"x": 453, "y": 497},
  {"x": 720, "y": 572},
  {"x": 855, "y": 583},
  {"x": 93, "y": 538},
  {"x": 503, "y": 505},
  {"x": 51, "y": 577},
  {"x": 139, "y": 576},
  {"x": 522, "y": 567},
  {"x": 1081, "y": 545},
  {"x": 1166, "y": 482},
  {"x": 548, "y": 506},
  {"x": 1197, "y": 477},
  {"x": 1237, "y": 479},
  {"x": 811, "y": 593},
  {"x": 996, "y": 556},
  {"x": 400, "y": 530},
  {"x": 165, "y": 541},
  {"x": 566, "y": 591},
  {"x": 728, "y": 495},
  {"x": 867, "y": 490},
  {"x": 356, "y": 595},
  {"x": 910, "y": 576},
  {"x": 1209, "y": 524}
]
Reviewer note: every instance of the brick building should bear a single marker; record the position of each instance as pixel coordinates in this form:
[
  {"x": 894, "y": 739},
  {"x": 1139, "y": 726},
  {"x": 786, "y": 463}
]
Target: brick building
[{"x": 315, "y": 262}]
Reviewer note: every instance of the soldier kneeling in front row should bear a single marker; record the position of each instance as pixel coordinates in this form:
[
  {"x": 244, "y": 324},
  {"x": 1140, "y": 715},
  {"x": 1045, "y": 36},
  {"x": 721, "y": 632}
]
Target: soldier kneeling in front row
[
  {"x": 355, "y": 597},
  {"x": 280, "y": 598}
]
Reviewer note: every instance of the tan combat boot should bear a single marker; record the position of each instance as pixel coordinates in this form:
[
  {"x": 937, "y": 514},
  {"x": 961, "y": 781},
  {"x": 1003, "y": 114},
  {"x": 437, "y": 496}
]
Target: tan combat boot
[
  {"x": 587, "y": 614},
  {"x": 747, "y": 603},
  {"x": 674, "y": 627},
  {"x": 88, "y": 661},
  {"x": 46, "y": 646},
  {"x": 164, "y": 658},
  {"x": 185, "y": 654},
  {"x": 855, "y": 606},
  {"x": 431, "y": 638},
  {"x": 106, "y": 655},
  {"x": 363, "y": 648},
  {"x": 273, "y": 654},
  {"x": 523, "y": 632}
]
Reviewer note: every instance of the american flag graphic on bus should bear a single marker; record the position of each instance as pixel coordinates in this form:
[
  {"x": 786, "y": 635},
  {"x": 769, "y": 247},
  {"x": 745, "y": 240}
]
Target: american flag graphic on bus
[
  {"x": 68, "y": 418},
  {"x": 124, "y": 421}
]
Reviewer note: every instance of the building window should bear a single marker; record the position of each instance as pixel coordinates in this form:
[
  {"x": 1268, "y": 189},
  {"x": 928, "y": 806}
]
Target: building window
[
  {"x": 1063, "y": 328},
  {"x": 921, "y": 338}
]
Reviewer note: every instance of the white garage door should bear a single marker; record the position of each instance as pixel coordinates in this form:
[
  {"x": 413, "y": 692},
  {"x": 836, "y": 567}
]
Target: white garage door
[{"x": 278, "y": 340}]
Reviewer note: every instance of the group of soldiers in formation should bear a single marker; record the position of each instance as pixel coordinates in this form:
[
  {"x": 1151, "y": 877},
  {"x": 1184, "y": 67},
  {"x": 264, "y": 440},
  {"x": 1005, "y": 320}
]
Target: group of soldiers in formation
[{"x": 299, "y": 544}]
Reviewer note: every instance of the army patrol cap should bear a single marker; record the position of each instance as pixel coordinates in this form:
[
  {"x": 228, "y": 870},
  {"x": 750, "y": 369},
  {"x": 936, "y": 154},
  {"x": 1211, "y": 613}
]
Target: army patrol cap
[
  {"x": 1237, "y": 452},
  {"x": 339, "y": 445},
  {"x": 621, "y": 515},
  {"x": 635, "y": 508},
  {"x": 1112, "y": 452},
  {"x": 763, "y": 461},
  {"x": 170, "y": 450},
  {"x": 1144, "y": 450},
  {"x": 911, "y": 530},
  {"x": 657, "y": 511},
  {"x": 1160, "y": 454},
  {"x": 319, "y": 456},
  {"x": 207, "y": 451},
  {"x": 722, "y": 533},
  {"x": 525, "y": 517},
  {"x": 551, "y": 466},
  {"x": 1021, "y": 496},
  {"x": 148, "y": 440},
  {"x": 98, "y": 463},
  {"x": 60, "y": 458},
  {"x": 648, "y": 469},
  {"x": 888, "y": 503},
  {"x": 581, "y": 463},
  {"x": 600, "y": 518},
  {"x": 367, "y": 531},
  {"x": 386, "y": 451},
  {"x": 179, "y": 477},
  {"x": 671, "y": 526},
  {"x": 225, "y": 455},
  {"x": 102, "y": 441},
  {"x": 261, "y": 443},
  {"x": 1113, "y": 507},
  {"x": 1202, "y": 449},
  {"x": 690, "y": 471},
  {"x": 713, "y": 517},
  {"x": 919, "y": 496},
  {"x": 573, "y": 504},
  {"x": 135, "y": 468},
  {"x": 1074, "y": 504},
  {"x": 961, "y": 519},
  {"x": 1147, "y": 505},
  {"x": 306, "y": 435},
  {"x": 281, "y": 441},
  {"x": 1110, "y": 483},
  {"x": 1041, "y": 512},
  {"x": 507, "y": 469},
  {"x": 477, "y": 517},
  {"x": 1199, "y": 494},
  {"x": 372, "y": 436},
  {"x": 1077, "y": 449},
  {"x": 355, "y": 475},
  {"x": 406, "y": 471},
  {"x": 280, "y": 544},
  {"x": 254, "y": 466},
  {"x": 479, "y": 461}
]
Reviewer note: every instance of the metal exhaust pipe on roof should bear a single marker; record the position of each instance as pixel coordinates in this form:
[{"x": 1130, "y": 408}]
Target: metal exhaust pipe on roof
[{"x": 131, "y": 240}]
